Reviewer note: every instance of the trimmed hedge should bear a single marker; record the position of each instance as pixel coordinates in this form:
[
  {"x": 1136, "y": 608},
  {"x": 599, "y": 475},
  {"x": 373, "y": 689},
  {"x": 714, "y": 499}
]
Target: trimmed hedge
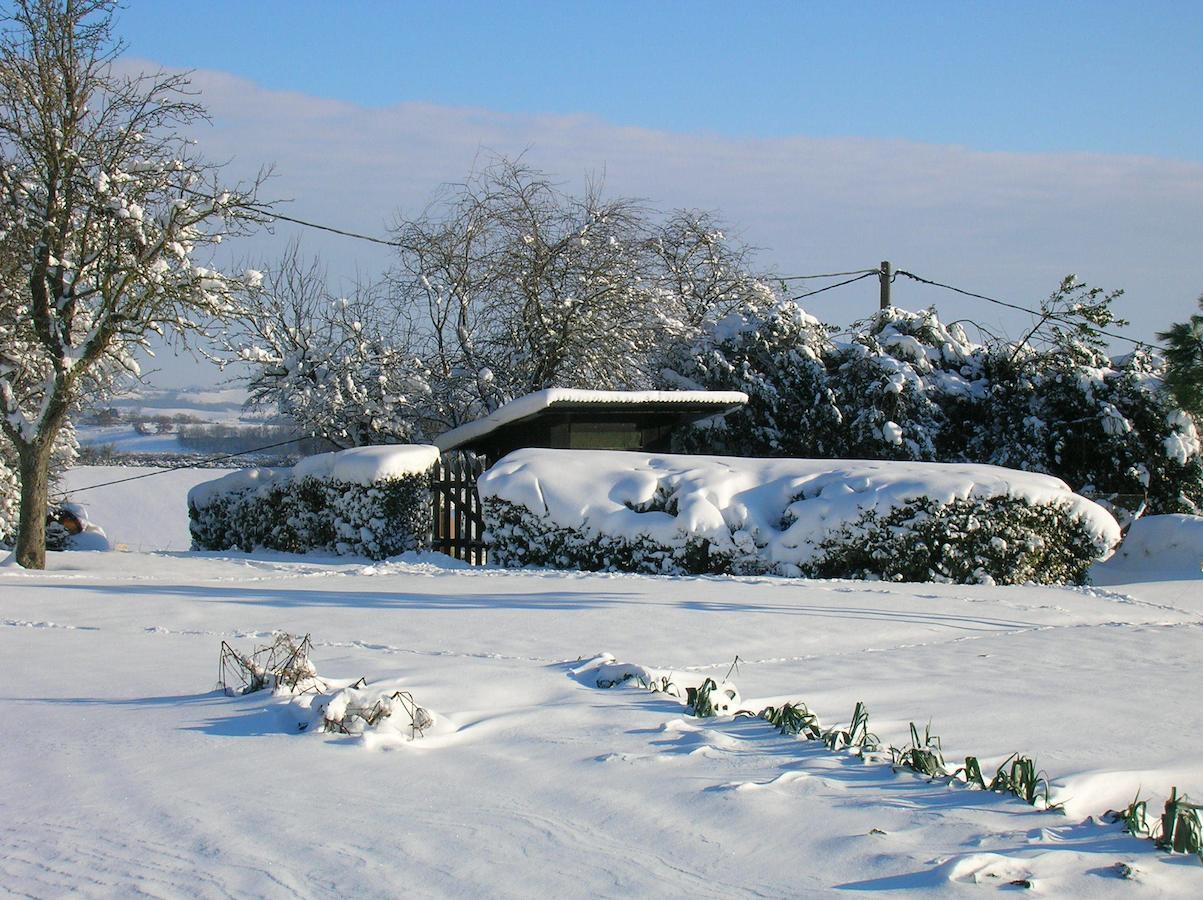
[
  {"x": 380, "y": 520},
  {"x": 1000, "y": 540}
]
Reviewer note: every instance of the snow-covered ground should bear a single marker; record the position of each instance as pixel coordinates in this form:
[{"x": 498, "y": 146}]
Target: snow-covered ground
[
  {"x": 124, "y": 771},
  {"x": 217, "y": 404},
  {"x": 147, "y": 513},
  {"x": 124, "y": 439},
  {"x": 220, "y": 405}
]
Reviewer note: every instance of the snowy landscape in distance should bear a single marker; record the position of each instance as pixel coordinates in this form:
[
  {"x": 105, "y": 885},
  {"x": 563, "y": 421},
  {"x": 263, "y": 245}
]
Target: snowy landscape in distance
[{"x": 128, "y": 772}]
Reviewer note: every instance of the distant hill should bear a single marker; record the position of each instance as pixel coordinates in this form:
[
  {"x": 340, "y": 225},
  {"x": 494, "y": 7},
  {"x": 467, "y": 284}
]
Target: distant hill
[{"x": 154, "y": 426}]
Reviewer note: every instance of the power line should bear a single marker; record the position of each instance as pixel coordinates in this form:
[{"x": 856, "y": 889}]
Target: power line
[
  {"x": 267, "y": 211},
  {"x": 199, "y": 464},
  {"x": 859, "y": 273},
  {"x": 1033, "y": 312},
  {"x": 826, "y": 275},
  {"x": 830, "y": 287}
]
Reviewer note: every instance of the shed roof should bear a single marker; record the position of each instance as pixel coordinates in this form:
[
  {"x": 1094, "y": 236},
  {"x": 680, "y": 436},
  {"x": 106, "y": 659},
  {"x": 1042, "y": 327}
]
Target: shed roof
[{"x": 698, "y": 403}]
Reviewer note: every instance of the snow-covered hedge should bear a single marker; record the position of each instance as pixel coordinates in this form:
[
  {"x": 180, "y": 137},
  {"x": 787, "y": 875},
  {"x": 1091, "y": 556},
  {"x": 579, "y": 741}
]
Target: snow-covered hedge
[
  {"x": 908, "y": 387},
  {"x": 367, "y": 501},
  {"x": 611, "y": 510}
]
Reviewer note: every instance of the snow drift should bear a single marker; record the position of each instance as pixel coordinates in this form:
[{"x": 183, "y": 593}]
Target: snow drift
[{"x": 1157, "y": 548}]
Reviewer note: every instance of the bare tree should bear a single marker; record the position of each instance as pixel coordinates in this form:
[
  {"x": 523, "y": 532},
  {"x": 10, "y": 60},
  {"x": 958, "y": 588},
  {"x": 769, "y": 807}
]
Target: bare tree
[
  {"x": 104, "y": 208},
  {"x": 341, "y": 368},
  {"x": 704, "y": 273},
  {"x": 521, "y": 286},
  {"x": 506, "y": 284}
]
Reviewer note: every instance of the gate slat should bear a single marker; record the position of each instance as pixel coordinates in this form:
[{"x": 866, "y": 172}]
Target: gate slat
[{"x": 458, "y": 522}]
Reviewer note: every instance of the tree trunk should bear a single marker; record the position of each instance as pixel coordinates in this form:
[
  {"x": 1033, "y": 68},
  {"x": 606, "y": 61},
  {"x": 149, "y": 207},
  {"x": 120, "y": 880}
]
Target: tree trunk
[{"x": 35, "y": 494}]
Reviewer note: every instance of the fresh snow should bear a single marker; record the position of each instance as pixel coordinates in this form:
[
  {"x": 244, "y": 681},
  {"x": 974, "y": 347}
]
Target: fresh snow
[
  {"x": 531, "y": 404},
  {"x": 1157, "y": 547},
  {"x": 786, "y": 506},
  {"x": 124, "y": 439},
  {"x": 358, "y": 465},
  {"x": 367, "y": 465},
  {"x": 147, "y": 514},
  {"x": 204, "y": 492},
  {"x": 126, "y": 773}
]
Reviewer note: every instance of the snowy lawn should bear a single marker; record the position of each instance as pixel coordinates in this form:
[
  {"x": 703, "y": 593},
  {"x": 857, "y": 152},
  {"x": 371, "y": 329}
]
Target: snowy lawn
[
  {"x": 146, "y": 514},
  {"x": 125, "y": 771}
]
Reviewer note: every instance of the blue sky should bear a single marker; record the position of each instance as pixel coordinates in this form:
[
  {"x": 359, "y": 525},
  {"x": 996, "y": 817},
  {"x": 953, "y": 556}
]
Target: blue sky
[
  {"x": 992, "y": 146},
  {"x": 1023, "y": 76}
]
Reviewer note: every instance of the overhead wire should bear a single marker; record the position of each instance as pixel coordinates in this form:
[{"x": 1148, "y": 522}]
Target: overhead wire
[
  {"x": 859, "y": 273},
  {"x": 832, "y": 287},
  {"x": 1015, "y": 306},
  {"x": 198, "y": 464},
  {"x": 828, "y": 275},
  {"x": 330, "y": 228},
  {"x": 858, "y": 276}
]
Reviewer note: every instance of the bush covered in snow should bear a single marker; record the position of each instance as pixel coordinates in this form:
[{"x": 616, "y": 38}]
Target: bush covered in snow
[
  {"x": 610, "y": 510},
  {"x": 368, "y": 501},
  {"x": 905, "y": 386},
  {"x": 992, "y": 539}
]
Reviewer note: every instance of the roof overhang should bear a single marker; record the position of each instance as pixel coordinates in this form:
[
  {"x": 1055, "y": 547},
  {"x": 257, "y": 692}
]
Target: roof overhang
[{"x": 684, "y": 406}]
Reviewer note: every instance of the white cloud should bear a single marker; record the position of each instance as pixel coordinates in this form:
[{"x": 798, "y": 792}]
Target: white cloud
[{"x": 1004, "y": 224}]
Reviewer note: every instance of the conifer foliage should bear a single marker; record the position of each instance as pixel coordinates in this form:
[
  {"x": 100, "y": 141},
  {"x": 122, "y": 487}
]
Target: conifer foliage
[{"x": 904, "y": 385}]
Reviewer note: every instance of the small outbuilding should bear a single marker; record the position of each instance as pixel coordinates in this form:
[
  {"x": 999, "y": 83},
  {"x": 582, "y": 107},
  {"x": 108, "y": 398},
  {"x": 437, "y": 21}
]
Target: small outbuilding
[
  {"x": 555, "y": 419},
  {"x": 572, "y": 419}
]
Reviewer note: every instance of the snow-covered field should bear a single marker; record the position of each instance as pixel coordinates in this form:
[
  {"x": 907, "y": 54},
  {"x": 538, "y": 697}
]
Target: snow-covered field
[
  {"x": 221, "y": 405},
  {"x": 125, "y": 772},
  {"x": 149, "y": 513}
]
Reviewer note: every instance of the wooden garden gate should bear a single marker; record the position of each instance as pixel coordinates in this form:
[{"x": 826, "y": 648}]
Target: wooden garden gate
[{"x": 458, "y": 522}]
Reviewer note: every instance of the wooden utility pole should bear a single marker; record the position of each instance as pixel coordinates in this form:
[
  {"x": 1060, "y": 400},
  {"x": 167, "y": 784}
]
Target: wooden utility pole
[{"x": 884, "y": 275}]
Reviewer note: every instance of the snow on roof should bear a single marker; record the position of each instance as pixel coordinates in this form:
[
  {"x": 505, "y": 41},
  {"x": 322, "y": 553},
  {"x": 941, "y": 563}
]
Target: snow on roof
[{"x": 533, "y": 404}]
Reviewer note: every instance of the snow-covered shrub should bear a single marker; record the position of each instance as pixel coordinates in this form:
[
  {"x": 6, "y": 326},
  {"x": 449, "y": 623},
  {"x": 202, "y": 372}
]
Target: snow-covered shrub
[
  {"x": 517, "y": 536},
  {"x": 367, "y": 501},
  {"x": 1103, "y": 425},
  {"x": 774, "y": 351},
  {"x": 10, "y": 503},
  {"x": 64, "y": 455},
  {"x": 68, "y": 527},
  {"x": 282, "y": 665},
  {"x": 617, "y": 511},
  {"x": 316, "y": 704},
  {"x": 993, "y": 540},
  {"x": 906, "y": 386}
]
